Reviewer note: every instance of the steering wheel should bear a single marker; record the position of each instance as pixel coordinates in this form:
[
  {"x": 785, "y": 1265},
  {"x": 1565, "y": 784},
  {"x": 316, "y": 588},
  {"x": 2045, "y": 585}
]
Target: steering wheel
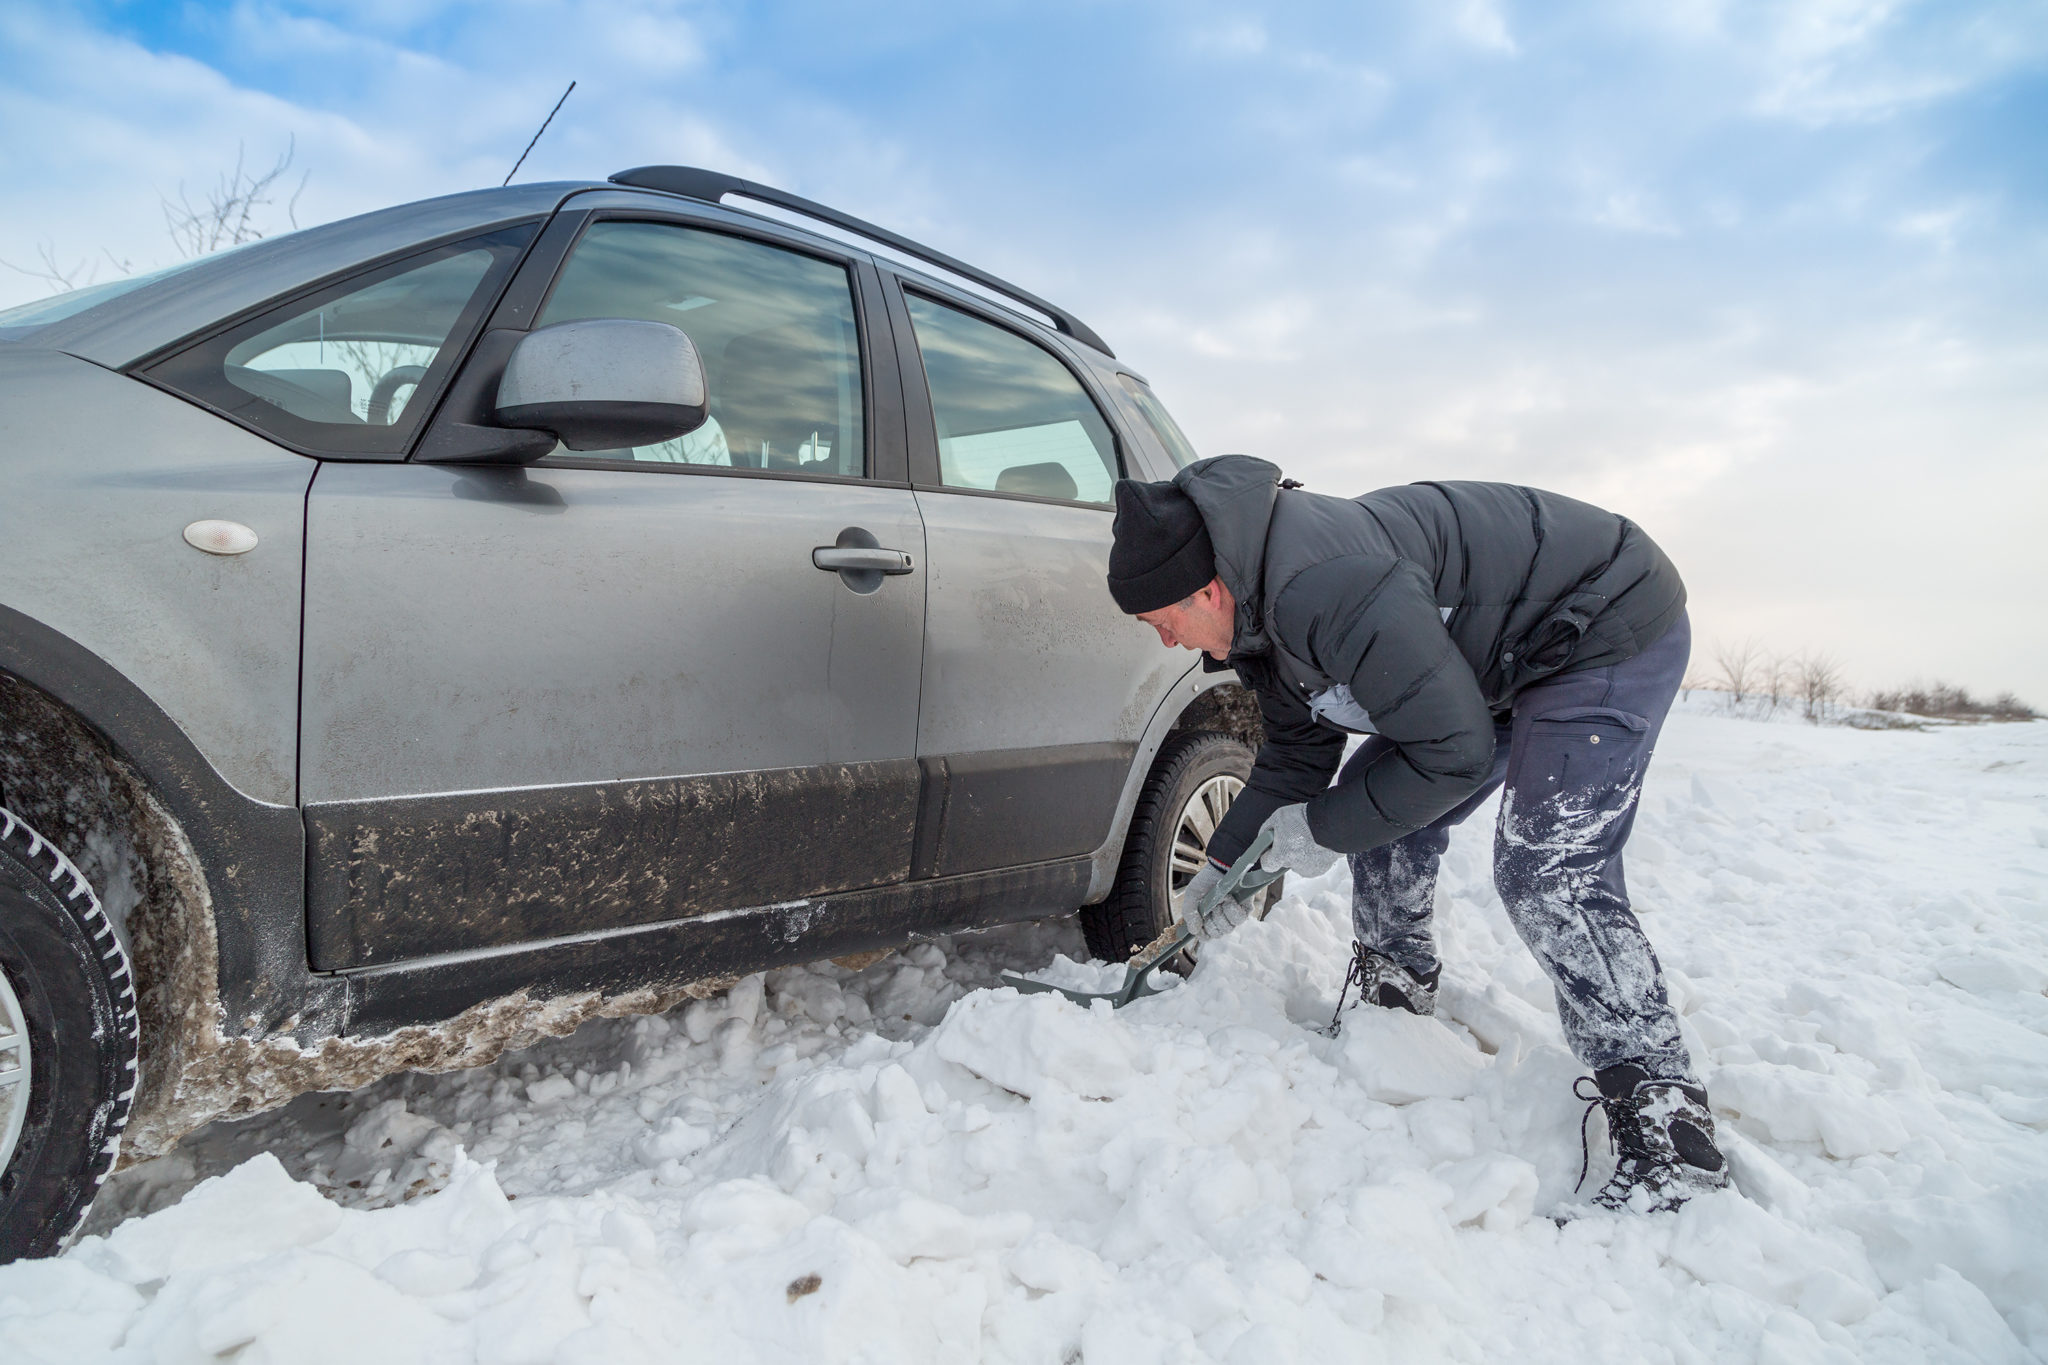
[{"x": 394, "y": 379}]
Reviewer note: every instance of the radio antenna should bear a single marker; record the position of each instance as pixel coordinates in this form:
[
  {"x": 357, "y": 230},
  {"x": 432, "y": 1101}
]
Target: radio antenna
[{"x": 536, "y": 137}]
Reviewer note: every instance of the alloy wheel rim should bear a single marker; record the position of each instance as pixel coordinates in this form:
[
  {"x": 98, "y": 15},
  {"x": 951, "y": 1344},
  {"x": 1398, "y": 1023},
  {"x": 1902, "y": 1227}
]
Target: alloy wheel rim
[
  {"x": 15, "y": 1070},
  {"x": 1191, "y": 833}
]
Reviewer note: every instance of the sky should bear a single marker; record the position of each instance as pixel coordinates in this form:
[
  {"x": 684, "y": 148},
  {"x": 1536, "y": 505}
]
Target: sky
[{"x": 1769, "y": 278}]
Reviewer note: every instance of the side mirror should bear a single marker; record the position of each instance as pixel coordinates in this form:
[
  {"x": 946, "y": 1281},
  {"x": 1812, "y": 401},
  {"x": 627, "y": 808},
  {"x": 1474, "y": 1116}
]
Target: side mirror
[{"x": 605, "y": 383}]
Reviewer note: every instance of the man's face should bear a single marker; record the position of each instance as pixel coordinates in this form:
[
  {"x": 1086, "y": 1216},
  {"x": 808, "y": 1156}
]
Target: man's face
[{"x": 1206, "y": 621}]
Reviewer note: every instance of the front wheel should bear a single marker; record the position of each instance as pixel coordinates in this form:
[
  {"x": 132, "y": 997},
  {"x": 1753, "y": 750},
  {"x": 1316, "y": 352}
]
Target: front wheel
[
  {"x": 1192, "y": 783},
  {"x": 68, "y": 1033}
]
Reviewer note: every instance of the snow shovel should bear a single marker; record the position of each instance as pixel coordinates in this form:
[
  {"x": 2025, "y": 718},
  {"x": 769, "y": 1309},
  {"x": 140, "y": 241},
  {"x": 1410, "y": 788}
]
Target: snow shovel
[{"x": 1244, "y": 875}]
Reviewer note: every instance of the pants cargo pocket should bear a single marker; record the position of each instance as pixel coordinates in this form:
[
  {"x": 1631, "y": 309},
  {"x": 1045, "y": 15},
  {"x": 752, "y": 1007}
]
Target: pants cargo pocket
[{"x": 1588, "y": 750}]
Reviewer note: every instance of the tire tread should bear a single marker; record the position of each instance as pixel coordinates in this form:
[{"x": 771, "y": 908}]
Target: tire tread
[
  {"x": 1124, "y": 921},
  {"x": 82, "y": 903}
]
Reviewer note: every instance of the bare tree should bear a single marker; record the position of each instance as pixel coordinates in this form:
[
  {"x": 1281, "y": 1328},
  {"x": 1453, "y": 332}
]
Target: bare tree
[
  {"x": 1737, "y": 667},
  {"x": 1821, "y": 684},
  {"x": 2006, "y": 706},
  {"x": 1780, "y": 678},
  {"x": 63, "y": 278},
  {"x": 227, "y": 214},
  {"x": 1947, "y": 701}
]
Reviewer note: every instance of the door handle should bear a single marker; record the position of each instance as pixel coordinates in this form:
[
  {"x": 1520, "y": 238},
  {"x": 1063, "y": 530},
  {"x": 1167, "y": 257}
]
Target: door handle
[
  {"x": 860, "y": 560},
  {"x": 861, "y": 557}
]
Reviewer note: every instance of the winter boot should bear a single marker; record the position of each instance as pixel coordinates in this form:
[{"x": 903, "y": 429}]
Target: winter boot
[
  {"x": 1384, "y": 982},
  {"x": 1664, "y": 1133}
]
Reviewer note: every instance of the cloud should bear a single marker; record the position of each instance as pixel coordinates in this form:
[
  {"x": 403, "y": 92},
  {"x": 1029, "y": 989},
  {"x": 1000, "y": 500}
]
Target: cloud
[
  {"x": 1829, "y": 61},
  {"x": 1764, "y": 275},
  {"x": 1239, "y": 37},
  {"x": 1481, "y": 23}
]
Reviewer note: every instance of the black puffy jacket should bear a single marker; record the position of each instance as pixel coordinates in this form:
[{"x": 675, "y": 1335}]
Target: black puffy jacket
[{"x": 1435, "y": 603}]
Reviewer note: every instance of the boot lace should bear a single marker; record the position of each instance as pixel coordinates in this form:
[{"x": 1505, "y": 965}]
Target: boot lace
[
  {"x": 1624, "y": 1126},
  {"x": 1361, "y": 974},
  {"x": 1624, "y": 1122}
]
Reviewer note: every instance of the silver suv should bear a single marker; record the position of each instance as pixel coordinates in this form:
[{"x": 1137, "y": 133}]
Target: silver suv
[{"x": 423, "y": 633}]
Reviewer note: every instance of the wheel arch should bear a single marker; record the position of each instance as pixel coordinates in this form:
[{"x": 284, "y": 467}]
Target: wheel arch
[
  {"x": 1198, "y": 700},
  {"x": 205, "y": 885}
]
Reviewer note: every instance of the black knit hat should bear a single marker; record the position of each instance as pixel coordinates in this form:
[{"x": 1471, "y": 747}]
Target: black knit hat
[{"x": 1161, "y": 552}]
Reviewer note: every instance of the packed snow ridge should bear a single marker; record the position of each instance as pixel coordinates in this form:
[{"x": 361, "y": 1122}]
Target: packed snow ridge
[{"x": 902, "y": 1163}]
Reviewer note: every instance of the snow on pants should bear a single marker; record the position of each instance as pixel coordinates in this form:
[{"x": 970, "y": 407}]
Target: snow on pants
[{"x": 1572, "y": 757}]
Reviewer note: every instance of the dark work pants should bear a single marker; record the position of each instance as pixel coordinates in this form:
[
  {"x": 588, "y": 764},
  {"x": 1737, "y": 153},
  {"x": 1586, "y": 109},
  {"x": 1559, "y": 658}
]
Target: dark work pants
[{"x": 1572, "y": 757}]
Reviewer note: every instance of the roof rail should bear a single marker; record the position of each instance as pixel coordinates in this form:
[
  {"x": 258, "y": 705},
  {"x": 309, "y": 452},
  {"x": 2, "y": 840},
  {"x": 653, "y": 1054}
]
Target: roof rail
[{"x": 710, "y": 186}]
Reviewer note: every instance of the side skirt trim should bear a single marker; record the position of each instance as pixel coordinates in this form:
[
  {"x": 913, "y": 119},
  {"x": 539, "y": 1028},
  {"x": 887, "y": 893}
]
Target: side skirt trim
[
  {"x": 658, "y": 958},
  {"x": 406, "y": 878}
]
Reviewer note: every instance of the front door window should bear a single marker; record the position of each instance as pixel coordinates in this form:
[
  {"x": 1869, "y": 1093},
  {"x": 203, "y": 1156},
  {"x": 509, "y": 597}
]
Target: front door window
[{"x": 776, "y": 331}]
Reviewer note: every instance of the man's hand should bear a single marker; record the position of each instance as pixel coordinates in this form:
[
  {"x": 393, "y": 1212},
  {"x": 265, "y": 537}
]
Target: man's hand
[
  {"x": 1294, "y": 848},
  {"x": 1225, "y": 915}
]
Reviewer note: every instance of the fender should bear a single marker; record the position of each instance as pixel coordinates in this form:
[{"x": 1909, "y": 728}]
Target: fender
[
  {"x": 252, "y": 855},
  {"x": 1180, "y": 700}
]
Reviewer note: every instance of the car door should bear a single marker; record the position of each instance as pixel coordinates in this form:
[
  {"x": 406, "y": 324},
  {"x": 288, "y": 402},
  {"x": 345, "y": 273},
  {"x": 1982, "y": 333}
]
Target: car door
[
  {"x": 1036, "y": 688},
  {"x": 615, "y": 688}
]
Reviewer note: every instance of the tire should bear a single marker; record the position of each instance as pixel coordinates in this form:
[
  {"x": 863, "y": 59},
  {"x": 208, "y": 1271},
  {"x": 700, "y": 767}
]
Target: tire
[
  {"x": 67, "y": 993},
  {"x": 1191, "y": 784}
]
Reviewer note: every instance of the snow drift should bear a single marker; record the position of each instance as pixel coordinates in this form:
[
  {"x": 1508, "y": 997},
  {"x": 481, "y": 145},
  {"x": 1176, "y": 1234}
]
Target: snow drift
[{"x": 899, "y": 1164}]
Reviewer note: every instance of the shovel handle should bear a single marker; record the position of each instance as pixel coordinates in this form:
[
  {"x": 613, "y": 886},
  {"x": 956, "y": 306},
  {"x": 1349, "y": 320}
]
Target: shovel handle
[{"x": 1244, "y": 875}]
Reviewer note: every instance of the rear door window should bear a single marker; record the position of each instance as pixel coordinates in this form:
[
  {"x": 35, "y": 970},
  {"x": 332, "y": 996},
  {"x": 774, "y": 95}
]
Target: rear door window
[
  {"x": 1011, "y": 418},
  {"x": 352, "y": 369},
  {"x": 776, "y": 330}
]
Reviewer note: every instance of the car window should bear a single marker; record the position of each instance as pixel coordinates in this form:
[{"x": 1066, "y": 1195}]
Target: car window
[
  {"x": 1011, "y": 417},
  {"x": 1159, "y": 419},
  {"x": 775, "y": 329},
  {"x": 352, "y": 369}
]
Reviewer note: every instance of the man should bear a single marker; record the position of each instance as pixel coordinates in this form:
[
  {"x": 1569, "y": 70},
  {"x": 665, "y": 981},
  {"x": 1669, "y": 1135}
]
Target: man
[{"x": 1480, "y": 635}]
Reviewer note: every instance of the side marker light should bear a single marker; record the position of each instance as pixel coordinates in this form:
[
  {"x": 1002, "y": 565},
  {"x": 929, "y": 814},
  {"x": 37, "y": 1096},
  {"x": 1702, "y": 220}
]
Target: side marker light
[{"x": 220, "y": 537}]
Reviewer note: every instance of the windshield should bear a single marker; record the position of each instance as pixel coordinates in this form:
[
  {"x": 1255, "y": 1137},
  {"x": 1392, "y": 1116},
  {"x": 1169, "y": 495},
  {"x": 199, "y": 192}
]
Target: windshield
[{"x": 25, "y": 319}]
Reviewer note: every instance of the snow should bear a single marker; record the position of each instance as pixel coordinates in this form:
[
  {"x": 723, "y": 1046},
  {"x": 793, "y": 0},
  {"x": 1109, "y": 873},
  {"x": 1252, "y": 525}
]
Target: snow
[{"x": 902, "y": 1164}]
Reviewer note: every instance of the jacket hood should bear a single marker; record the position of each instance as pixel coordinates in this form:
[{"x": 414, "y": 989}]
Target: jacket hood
[{"x": 1235, "y": 494}]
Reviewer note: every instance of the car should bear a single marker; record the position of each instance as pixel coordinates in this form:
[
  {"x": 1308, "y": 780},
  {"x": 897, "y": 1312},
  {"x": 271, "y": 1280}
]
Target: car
[{"x": 425, "y": 632}]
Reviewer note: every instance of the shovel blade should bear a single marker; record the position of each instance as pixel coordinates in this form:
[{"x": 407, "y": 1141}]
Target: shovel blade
[
  {"x": 1137, "y": 980},
  {"x": 1030, "y": 987},
  {"x": 1244, "y": 874}
]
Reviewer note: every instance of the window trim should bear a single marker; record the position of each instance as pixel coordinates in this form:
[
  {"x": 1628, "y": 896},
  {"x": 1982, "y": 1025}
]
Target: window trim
[
  {"x": 698, "y": 470},
  {"x": 877, "y": 348},
  {"x": 921, "y": 420},
  {"x": 1153, "y": 449},
  {"x": 454, "y": 353}
]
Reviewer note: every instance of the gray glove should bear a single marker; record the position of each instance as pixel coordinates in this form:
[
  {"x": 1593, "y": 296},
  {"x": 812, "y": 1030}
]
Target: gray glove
[
  {"x": 1224, "y": 916},
  {"x": 1294, "y": 848}
]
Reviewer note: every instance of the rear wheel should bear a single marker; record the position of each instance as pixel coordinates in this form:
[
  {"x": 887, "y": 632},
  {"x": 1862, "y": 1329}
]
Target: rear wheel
[
  {"x": 68, "y": 1035},
  {"x": 1192, "y": 783}
]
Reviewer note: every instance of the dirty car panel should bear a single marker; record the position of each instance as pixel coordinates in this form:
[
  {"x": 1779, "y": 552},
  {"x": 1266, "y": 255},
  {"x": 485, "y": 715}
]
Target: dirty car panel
[{"x": 490, "y": 637}]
